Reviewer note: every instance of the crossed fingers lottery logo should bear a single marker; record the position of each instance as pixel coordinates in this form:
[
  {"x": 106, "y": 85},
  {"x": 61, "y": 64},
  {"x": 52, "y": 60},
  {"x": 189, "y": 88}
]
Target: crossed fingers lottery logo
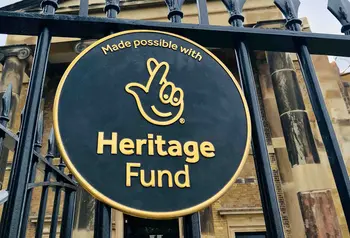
[{"x": 168, "y": 95}]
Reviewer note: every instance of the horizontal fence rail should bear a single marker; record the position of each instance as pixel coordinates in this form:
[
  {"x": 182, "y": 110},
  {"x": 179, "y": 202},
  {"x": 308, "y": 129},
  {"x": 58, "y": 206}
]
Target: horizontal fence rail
[{"x": 209, "y": 36}]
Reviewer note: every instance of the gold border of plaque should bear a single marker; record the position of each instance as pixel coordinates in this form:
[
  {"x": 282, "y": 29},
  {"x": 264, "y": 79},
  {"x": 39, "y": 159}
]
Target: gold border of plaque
[{"x": 116, "y": 205}]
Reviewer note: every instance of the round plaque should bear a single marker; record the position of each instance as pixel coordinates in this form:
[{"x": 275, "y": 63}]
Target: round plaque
[{"x": 151, "y": 123}]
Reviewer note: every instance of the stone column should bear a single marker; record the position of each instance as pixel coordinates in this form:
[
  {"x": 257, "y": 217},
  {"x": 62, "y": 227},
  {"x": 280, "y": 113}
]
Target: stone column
[
  {"x": 305, "y": 181},
  {"x": 295, "y": 122},
  {"x": 15, "y": 61},
  {"x": 316, "y": 203}
]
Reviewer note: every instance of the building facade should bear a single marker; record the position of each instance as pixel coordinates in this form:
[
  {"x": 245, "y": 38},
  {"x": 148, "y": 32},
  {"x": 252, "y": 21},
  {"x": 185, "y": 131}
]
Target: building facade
[{"x": 308, "y": 199}]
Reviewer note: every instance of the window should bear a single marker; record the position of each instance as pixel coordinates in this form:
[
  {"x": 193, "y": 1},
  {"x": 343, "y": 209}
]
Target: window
[
  {"x": 144, "y": 228},
  {"x": 250, "y": 235}
]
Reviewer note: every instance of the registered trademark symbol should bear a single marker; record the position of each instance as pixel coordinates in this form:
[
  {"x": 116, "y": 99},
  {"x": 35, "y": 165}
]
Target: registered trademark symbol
[{"x": 182, "y": 120}]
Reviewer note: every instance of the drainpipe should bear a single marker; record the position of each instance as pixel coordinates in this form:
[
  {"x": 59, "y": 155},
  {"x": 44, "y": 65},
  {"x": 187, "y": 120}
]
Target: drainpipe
[
  {"x": 295, "y": 122},
  {"x": 309, "y": 177}
]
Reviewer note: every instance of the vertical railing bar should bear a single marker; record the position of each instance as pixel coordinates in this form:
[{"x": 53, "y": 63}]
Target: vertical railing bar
[
  {"x": 4, "y": 119},
  {"x": 174, "y": 18},
  {"x": 175, "y": 14},
  {"x": 56, "y": 204},
  {"x": 68, "y": 213},
  {"x": 103, "y": 220},
  {"x": 6, "y": 212},
  {"x": 26, "y": 140},
  {"x": 338, "y": 11},
  {"x": 17, "y": 194},
  {"x": 273, "y": 220},
  {"x": 272, "y": 215},
  {"x": 28, "y": 199},
  {"x": 191, "y": 222},
  {"x": 55, "y": 211},
  {"x": 203, "y": 15},
  {"x": 112, "y": 8},
  {"x": 45, "y": 189},
  {"x": 37, "y": 148},
  {"x": 102, "y": 226},
  {"x": 84, "y": 8},
  {"x": 192, "y": 226}
]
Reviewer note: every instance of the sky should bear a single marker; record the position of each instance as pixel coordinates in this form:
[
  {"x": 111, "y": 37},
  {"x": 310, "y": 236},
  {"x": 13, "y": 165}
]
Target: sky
[{"x": 320, "y": 20}]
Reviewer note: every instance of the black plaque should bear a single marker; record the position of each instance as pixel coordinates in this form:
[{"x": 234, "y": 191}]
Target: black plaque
[{"x": 151, "y": 123}]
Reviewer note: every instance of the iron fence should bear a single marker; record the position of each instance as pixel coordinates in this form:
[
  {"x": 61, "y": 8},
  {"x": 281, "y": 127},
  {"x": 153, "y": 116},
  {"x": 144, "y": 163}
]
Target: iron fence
[{"x": 27, "y": 143}]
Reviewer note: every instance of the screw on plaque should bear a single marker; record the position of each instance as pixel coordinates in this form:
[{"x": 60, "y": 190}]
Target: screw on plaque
[
  {"x": 234, "y": 8},
  {"x": 341, "y": 10}
]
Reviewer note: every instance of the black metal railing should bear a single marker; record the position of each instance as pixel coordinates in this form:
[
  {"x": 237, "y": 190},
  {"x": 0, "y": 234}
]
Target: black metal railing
[
  {"x": 54, "y": 176},
  {"x": 27, "y": 144}
]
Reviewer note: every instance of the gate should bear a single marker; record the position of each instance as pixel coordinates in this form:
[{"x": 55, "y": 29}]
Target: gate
[{"x": 26, "y": 143}]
